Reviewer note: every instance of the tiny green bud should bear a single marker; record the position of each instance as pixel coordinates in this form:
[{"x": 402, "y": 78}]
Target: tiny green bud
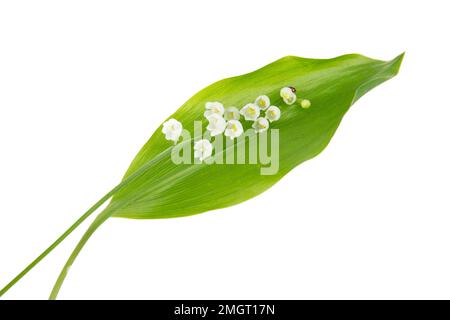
[{"x": 305, "y": 103}]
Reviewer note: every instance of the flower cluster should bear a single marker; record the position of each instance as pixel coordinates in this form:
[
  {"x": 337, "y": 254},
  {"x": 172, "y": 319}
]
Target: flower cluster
[
  {"x": 226, "y": 121},
  {"x": 223, "y": 120}
]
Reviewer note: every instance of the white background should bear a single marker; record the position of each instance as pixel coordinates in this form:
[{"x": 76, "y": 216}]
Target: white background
[{"x": 83, "y": 84}]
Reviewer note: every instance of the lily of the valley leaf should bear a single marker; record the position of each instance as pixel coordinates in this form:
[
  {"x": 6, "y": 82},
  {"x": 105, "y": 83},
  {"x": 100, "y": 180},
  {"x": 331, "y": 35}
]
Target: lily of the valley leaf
[{"x": 301, "y": 101}]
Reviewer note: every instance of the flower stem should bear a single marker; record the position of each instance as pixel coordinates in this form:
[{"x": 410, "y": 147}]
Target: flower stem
[
  {"x": 102, "y": 217},
  {"x": 137, "y": 174},
  {"x": 58, "y": 241}
]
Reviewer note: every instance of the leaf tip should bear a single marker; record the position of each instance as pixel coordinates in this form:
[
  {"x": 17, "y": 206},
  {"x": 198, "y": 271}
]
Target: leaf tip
[
  {"x": 396, "y": 63},
  {"x": 388, "y": 70}
]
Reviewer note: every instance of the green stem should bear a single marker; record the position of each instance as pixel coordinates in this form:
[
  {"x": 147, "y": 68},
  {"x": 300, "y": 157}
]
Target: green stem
[
  {"x": 95, "y": 224},
  {"x": 58, "y": 241},
  {"x": 119, "y": 187}
]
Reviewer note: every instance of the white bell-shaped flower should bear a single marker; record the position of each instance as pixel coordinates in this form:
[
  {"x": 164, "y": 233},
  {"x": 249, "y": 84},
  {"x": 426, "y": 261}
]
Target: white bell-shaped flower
[
  {"x": 172, "y": 129},
  {"x": 233, "y": 129},
  {"x": 231, "y": 113},
  {"x": 261, "y": 125},
  {"x": 288, "y": 95},
  {"x": 273, "y": 113},
  {"x": 263, "y": 102},
  {"x": 250, "y": 111},
  {"x": 216, "y": 124},
  {"x": 213, "y": 108},
  {"x": 202, "y": 149}
]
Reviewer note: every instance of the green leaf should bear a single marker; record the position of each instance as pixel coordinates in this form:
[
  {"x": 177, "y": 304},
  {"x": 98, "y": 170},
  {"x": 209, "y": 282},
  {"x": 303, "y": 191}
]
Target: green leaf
[
  {"x": 155, "y": 187},
  {"x": 169, "y": 190}
]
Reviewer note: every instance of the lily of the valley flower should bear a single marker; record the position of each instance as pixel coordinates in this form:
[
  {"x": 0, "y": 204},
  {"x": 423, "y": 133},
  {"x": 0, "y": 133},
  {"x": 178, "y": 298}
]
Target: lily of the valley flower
[
  {"x": 231, "y": 113},
  {"x": 233, "y": 129},
  {"x": 213, "y": 108},
  {"x": 202, "y": 149},
  {"x": 261, "y": 125},
  {"x": 216, "y": 124},
  {"x": 288, "y": 95},
  {"x": 250, "y": 111},
  {"x": 273, "y": 113},
  {"x": 263, "y": 102},
  {"x": 172, "y": 129}
]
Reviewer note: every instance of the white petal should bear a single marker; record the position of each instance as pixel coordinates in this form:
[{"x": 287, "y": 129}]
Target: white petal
[
  {"x": 263, "y": 102},
  {"x": 250, "y": 111},
  {"x": 234, "y": 129},
  {"x": 216, "y": 124},
  {"x": 231, "y": 113},
  {"x": 213, "y": 108},
  {"x": 288, "y": 95},
  {"x": 260, "y": 125},
  {"x": 202, "y": 149},
  {"x": 273, "y": 113},
  {"x": 172, "y": 129}
]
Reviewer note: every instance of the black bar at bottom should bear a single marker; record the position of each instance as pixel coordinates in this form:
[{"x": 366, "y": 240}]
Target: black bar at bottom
[{"x": 223, "y": 309}]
